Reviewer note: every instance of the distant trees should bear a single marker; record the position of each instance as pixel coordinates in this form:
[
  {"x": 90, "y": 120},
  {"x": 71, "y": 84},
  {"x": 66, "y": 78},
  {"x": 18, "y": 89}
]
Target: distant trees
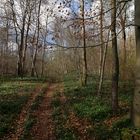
[
  {"x": 25, "y": 19},
  {"x": 55, "y": 38},
  {"x": 21, "y": 30}
]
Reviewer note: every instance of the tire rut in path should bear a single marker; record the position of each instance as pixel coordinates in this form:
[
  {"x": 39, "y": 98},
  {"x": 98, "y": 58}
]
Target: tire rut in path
[
  {"x": 22, "y": 116},
  {"x": 44, "y": 128}
]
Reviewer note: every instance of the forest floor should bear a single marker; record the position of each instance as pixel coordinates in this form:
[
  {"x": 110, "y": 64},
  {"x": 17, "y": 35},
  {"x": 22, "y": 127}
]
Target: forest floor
[
  {"x": 44, "y": 128},
  {"x": 25, "y": 110},
  {"x": 23, "y": 114},
  {"x": 38, "y": 110}
]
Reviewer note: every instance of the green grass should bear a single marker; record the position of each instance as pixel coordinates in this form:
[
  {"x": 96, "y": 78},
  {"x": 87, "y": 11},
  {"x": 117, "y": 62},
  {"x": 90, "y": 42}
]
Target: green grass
[
  {"x": 9, "y": 110},
  {"x": 83, "y": 101},
  {"x": 15, "y": 87},
  {"x": 13, "y": 96},
  {"x": 92, "y": 109},
  {"x": 31, "y": 118},
  {"x": 26, "y": 79},
  {"x": 60, "y": 117},
  {"x": 30, "y": 121}
]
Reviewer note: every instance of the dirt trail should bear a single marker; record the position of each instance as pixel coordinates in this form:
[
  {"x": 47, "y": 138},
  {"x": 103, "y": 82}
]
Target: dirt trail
[
  {"x": 22, "y": 116},
  {"x": 44, "y": 128}
]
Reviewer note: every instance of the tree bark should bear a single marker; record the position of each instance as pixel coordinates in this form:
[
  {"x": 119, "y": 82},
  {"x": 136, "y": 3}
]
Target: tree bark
[
  {"x": 26, "y": 40},
  {"x": 84, "y": 55},
  {"x": 33, "y": 68},
  {"x": 44, "y": 49},
  {"x": 21, "y": 49},
  {"x": 7, "y": 41},
  {"x": 115, "y": 59},
  {"x": 136, "y": 98},
  {"x": 22, "y": 45},
  {"x": 122, "y": 23},
  {"x": 101, "y": 66}
]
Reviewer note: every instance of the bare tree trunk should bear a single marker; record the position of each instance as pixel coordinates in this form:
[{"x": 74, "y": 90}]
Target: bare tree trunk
[
  {"x": 43, "y": 57},
  {"x": 124, "y": 54},
  {"x": 102, "y": 70},
  {"x": 33, "y": 69},
  {"x": 101, "y": 36},
  {"x": 19, "y": 48},
  {"x": 101, "y": 66},
  {"x": 20, "y": 53},
  {"x": 136, "y": 98},
  {"x": 43, "y": 53},
  {"x": 26, "y": 40},
  {"x": 2, "y": 60},
  {"x": 115, "y": 59},
  {"x": 122, "y": 23},
  {"x": 7, "y": 41},
  {"x": 84, "y": 56},
  {"x": 22, "y": 45}
]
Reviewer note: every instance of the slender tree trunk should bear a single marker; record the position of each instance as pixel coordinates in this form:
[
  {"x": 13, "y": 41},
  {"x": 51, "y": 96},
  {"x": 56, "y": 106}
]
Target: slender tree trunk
[
  {"x": 44, "y": 49},
  {"x": 21, "y": 46},
  {"x": 33, "y": 69},
  {"x": 101, "y": 66},
  {"x": 136, "y": 98},
  {"x": 20, "y": 53},
  {"x": 43, "y": 57},
  {"x": 84, "y": 56},
  {"x": 101, "y": 36},
  {"x": 7, "y": 41},
  {"x": 122, "y": 22},
  {"x": 102, "y": 70},
  {"x": 16, "y": 31},
  {"x": 26, "y": 41},
  {"x": 2, "y": 60},
  {"x": 115, "y": 59},
  {"x": 124, "y": 54}
]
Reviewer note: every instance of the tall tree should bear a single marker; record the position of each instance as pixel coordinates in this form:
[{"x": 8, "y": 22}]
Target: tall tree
[
  {"x": 33, "y": 68},
  {"x": 101, "y": 49},
  {"x": 122, "y": 20},
  {"x": 84, "y": 55},
  {"x": 115, "y": 59},
  {"x": 20, "y": 30},
  {"x": 21, "y": 46},
  {"x": 136, "y": 99}
]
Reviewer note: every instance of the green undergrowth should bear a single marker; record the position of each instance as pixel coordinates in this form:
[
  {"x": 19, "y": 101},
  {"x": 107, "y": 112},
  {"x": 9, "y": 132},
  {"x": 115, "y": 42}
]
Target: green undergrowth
[
  {"x": 31, "y": 118},
  {"x": 26, "y": 79},
  {"x": 130, "y": 134},
  {"x": 60, "y": 117},
  {"x": 13, "y": 96},
  {"x": 85, "y": 104},
  {"x": 92, "y": 109}
]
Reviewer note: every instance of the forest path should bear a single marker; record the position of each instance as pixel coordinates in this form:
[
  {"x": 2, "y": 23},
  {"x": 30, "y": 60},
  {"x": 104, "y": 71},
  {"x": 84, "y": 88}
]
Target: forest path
[
  {"x": 20, "y": 121},
  {"x": 44, "y": 128}
]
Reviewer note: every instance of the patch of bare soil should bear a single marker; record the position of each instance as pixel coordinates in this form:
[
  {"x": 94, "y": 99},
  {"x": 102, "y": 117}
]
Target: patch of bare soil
[
  {"x": 22, "y": 117},
  {"x": 44, "y": 128}
]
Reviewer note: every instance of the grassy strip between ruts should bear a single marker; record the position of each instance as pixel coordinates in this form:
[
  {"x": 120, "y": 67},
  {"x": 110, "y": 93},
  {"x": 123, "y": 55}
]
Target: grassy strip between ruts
[
  {"x": 13, "y": 96},
  {"x": 31, "y": 118},
  {"x": 60, "y": 116}
]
